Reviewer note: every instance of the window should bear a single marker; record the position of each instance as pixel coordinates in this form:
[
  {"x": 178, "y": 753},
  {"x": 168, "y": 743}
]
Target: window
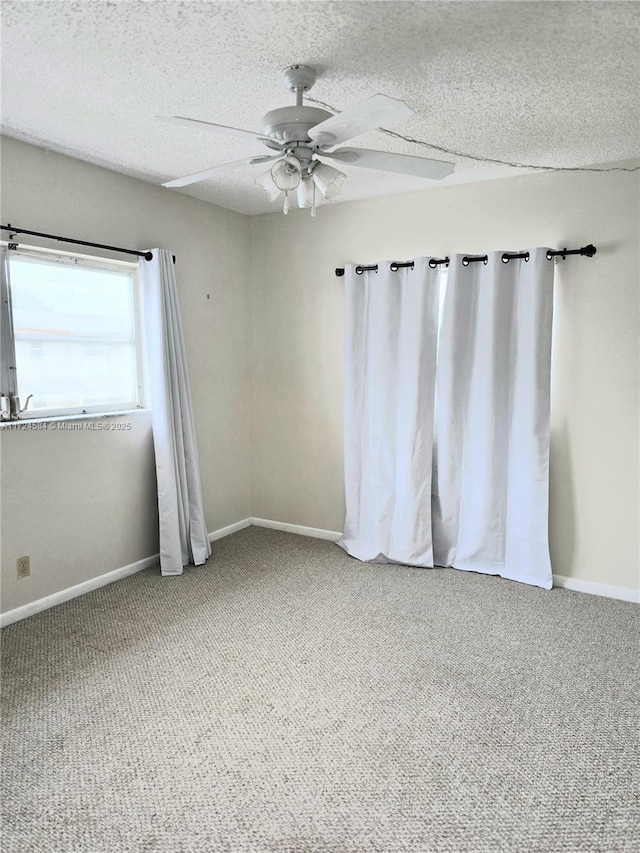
[{"x": 71, "y": 330}]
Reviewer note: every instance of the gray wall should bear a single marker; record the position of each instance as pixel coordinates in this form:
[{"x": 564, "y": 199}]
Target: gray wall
[{"x": 84, "y": 503}]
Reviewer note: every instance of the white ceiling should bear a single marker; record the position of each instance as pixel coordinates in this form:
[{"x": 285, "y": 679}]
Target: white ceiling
[{"x": 535, "y": 82}]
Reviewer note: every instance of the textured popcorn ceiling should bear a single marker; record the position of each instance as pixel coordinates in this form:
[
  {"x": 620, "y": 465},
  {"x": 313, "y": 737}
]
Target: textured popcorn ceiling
[{"x": 535, "y": 82}]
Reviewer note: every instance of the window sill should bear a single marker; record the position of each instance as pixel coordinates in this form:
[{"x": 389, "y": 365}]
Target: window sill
[{"x": 41, "y": 423}]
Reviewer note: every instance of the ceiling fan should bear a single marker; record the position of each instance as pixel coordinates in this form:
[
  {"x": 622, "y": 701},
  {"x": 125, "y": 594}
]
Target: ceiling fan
[{"x": 302, "y": 137}]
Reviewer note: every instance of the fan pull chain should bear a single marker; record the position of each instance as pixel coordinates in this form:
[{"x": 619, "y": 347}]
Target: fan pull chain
[
  {"x": 313, "y": 198},
  {"x": 286, "y": 202}
]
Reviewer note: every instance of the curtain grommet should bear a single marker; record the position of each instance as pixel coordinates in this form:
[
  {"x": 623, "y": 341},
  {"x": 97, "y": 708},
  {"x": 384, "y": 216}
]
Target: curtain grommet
[
  {"x": 506, "y": 257},
  {"x": 465, "y": 261}
]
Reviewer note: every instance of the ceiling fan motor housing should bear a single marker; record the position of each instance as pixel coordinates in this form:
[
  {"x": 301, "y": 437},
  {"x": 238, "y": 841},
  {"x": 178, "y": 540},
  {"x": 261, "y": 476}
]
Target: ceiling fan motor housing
[
  {"x": 299, "y": 77},
  {"x": 292, "y": 124}
]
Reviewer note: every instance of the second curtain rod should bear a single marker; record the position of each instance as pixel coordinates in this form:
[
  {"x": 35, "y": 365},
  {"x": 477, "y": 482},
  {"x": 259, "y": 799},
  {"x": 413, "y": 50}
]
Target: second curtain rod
[{"x": 588, "y": 251}]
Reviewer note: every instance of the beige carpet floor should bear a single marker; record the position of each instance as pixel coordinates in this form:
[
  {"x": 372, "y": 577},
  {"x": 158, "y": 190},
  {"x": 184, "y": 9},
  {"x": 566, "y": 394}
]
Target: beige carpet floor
[{"x": 285, "y": 697}]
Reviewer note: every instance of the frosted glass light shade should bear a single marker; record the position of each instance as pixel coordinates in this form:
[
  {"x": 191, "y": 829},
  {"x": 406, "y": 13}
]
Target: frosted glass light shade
[
  {"x": 306, "y": 193},
  {"x": 328, "y": 180},
  {"x": 265, "y": 182},
  {"x": 287, "y": 173}
]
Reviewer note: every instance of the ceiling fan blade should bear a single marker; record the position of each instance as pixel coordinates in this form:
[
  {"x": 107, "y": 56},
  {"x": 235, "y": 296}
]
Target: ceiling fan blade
[
  {"x": 216, "y": 128},
  {"x": 360, "y": 118},
  {"x": 207, "y": 173},
  {"x": 421, "y": 167}
]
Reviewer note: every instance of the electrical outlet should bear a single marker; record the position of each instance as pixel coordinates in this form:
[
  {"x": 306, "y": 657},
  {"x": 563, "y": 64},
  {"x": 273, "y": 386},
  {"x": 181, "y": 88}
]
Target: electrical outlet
[{"x": 23, "y": 564}]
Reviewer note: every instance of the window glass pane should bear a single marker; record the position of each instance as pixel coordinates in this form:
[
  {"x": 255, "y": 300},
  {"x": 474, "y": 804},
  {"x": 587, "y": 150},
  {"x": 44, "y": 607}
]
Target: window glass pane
[{"x": 74, "y": 329}]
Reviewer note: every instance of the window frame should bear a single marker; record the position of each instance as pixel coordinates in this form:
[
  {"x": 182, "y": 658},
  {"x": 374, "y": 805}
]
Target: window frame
[{"x": 8, "y": 372}]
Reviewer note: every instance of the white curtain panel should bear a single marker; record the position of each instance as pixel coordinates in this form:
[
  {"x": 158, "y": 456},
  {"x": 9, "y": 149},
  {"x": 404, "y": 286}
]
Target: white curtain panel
[
  {"x": 481, "y": 412},
  {"x": 490, "y": 487},
  {"x": 183, "y": 531},
  {"x": 391, "y": 337}
]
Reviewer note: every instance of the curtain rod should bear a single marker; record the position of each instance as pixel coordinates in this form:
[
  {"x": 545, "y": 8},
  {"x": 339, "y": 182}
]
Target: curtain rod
[
  {"x": 148, "y": 256},
  {"x": 588, "y": 251}
]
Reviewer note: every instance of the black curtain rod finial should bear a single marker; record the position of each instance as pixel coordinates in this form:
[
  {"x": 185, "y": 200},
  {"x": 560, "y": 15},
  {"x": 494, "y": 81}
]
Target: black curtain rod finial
[{"x": 586, "y": 251}]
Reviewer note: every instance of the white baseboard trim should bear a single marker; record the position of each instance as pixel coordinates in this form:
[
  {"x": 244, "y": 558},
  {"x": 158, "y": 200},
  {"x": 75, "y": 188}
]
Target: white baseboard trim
[
  {"x": 314, "y": 532},
  {"x": 619, "y": 592},
  {"x": 63, "y": 595},
  {"x": 229, "y": 529},
  {"x": 605, "y": 590}
]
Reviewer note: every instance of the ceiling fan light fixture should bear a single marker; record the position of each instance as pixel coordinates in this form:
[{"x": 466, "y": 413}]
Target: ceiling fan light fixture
[
  {"x": 306, "y": 193},
  {"x": 286, "y": 172},
  {"x": 328, "y": 180},
  {"x": 266, "y": 183}
]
